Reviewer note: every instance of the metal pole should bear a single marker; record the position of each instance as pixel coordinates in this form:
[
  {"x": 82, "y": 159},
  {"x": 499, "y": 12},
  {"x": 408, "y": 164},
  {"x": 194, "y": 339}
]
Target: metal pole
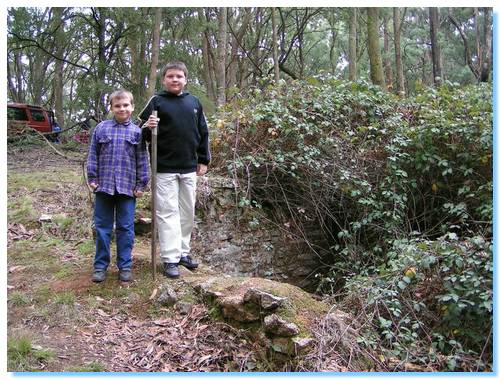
[{"x": 154, "y": 144}]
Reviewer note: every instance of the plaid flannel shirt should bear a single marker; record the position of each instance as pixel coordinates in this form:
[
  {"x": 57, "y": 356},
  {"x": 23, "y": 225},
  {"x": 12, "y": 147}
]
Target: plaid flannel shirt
[{"x": 118, "y": 161}]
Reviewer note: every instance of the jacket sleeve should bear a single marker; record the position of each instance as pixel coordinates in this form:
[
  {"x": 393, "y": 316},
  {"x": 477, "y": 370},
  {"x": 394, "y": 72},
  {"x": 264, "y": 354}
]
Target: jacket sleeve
[
  {"x": 203, "y": 150},
  {"x": 93, "y": 158}
]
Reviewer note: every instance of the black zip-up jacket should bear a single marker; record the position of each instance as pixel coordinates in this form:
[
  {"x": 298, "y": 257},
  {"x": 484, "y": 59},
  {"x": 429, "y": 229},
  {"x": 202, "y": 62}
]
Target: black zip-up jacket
[{"x": 182, "y": 132}]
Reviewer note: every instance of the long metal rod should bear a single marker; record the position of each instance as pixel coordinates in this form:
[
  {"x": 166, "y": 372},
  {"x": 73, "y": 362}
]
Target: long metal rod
[{"x": 154, "y": 144}]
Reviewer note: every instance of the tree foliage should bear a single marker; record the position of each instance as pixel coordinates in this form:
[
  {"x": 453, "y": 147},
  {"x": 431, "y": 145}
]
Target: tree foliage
[{"x": 92, "y": 51}]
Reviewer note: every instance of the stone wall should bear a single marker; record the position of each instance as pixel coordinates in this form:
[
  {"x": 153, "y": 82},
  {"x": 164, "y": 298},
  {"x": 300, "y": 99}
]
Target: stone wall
[{"x": 237, "y": 242}]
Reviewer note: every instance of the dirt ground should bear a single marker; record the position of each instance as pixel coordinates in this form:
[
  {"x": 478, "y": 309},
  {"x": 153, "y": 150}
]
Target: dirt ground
[{"x": 84, "y": 326}]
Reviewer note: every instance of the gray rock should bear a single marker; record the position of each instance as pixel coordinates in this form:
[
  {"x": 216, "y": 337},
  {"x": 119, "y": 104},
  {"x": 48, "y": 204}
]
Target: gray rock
[
  {"x": 183, "y": 307},
  {"x": 302, "y": 345},
  {"x": 205, "y": 290},
  {"x": 281, "y": 345},
  {"x": 263, "y": 299},
  {"x": 234, "y": 308},
  {"x": 277, "y": 326},
  {"x": 167, "y": 296}
]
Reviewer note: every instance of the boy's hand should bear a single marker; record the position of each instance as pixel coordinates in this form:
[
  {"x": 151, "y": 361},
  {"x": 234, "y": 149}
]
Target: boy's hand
[
  {"x": 93, "y": 186},
  {"x": 201, "y": 169},
  {"x": 152, "y": 122},
  {"x": 138, "y": 193}
]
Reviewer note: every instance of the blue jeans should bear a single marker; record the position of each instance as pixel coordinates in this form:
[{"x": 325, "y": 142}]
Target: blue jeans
[{"x": 104, "y": 215}]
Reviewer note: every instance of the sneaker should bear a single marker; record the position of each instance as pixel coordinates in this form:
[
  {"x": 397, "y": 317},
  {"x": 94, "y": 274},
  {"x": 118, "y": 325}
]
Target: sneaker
[
  {"x": 171, "y": 270},
  {"x": 188, "y": 262},
  {"x": 125, "y": 275},
  {"x": 98, "y": 276}
]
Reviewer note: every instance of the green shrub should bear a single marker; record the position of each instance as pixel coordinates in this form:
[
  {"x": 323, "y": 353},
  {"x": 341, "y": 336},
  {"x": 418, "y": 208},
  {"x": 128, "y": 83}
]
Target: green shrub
[
  {"x": 394, "y": 194},
  {"x": 365, "y": 166},
  {"x": 439, "y": 291}
]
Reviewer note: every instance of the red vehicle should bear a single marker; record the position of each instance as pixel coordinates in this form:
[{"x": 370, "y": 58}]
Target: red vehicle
[{"x": 31, "y": 115}]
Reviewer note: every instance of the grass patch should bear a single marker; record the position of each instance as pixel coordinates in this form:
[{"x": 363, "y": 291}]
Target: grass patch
[
  {"x": 35, "y": 180},
  {"x": 23, "y": 356},
  {"x": 87, "y": 248},
  {"x": 65, "y": 298},
  {"x": 89, "y": 367},
  {"x": 21, "y": 211},
  {"x": 42, "y": 294},
  {"x": 18, "y": 299},
  {"x": 64, "y": 272},
  {"x": 35, "y": 256},
  {"x": 63, "y": 221},
  {"x": 26, "y": 181}
]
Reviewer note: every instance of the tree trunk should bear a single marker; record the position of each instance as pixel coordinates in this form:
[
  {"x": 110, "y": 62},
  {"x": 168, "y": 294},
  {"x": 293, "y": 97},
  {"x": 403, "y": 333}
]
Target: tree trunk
[
  {"x": 207, "y": 57},
  {"x": 331, "y": 16},
  {"x": 238, "y": 28},
  {"x": 353, "y": 56},
  {"x": 387, "y": 55},
  {"x": 376, "y": 69},
  {"x": 426, "y": 75},
  {"x": 20, "y": 75},
  {"x": 100, "y": 18},
  {"x": 400, "y": 82},
  {"x": 59, "y": 66},
  {"x": 136, "y": 42},
  {"x": 155, "y": 54},
  {"x": 435, "y": 48},
  {"x": 468, "y": 55},
  {"x": 275, "y": 47},
  {"x": 486, "y": 53},
  {"x": 221, "y": 57}
]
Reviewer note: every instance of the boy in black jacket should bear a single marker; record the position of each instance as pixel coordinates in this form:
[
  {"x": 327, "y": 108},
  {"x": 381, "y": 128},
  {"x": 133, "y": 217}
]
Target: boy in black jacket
[{"x": 183, "y": 154}]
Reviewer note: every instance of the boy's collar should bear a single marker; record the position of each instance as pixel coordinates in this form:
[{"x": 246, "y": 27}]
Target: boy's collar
[{"x": 125, "y": 123}]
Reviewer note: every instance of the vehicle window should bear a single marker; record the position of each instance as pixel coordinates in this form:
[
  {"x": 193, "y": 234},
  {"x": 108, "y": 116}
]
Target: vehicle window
[
  {"x": 37, "y": 115},
  {"x": 17, "y": 114}
]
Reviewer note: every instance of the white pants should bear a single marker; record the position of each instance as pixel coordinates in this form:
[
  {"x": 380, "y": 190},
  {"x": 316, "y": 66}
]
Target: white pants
[{"x": 175, "y": 201}]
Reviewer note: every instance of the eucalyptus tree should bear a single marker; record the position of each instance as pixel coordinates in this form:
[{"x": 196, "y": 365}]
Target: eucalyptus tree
[
  {"x": 155, "y": 51},
  {"x": 397, "y": 21},
  {"x": 238, "y": 22},
  {"x": 221, "y": 56},
  {"x": 293, "y": 27},
  {"x": 416, "y": 54},
  {"x": 138, "y": 45},
  {"x": 475, "y": 29},
  {"x": 275, "y": 46},
  {"x": 30, "y": 54},
  {"x": 387, "y": 49},
  {"x": 353, "y": 45},
  {"x": 434, "y": 23},
  {"x": 374, "y": 54},
  {"x": 59, "y": 43}
]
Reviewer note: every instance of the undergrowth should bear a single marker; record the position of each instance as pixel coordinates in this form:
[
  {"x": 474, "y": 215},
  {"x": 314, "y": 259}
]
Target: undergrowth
[{"x": 394, "y": 195}]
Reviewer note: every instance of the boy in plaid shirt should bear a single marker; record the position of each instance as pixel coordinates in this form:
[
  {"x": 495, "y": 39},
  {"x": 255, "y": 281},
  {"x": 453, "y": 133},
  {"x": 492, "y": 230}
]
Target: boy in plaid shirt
[{"x": 117, "y": 171}]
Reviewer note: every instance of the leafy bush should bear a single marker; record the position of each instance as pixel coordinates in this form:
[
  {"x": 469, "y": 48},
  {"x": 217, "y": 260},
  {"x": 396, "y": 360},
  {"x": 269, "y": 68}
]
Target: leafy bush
[
  {"x": 440, "y": 292},
  {"x": 363, "y": 165},
  {"x": 394, "y": 195}
]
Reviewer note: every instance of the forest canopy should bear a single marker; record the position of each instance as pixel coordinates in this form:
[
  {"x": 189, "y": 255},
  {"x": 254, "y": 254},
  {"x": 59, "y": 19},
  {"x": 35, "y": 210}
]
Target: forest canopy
[{"x": 69, "y": 59}]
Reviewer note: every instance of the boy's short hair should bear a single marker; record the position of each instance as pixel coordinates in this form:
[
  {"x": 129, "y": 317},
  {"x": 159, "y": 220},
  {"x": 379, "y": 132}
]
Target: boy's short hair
[
  {"x": 177, "y": 65},
  {"x": 120, "y": 94}
]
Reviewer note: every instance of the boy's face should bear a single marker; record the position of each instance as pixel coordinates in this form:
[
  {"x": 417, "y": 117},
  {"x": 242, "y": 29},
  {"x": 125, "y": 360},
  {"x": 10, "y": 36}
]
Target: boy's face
[
  {"x": 174, "y": 81},
  {"x": 122, "y": 108}
]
